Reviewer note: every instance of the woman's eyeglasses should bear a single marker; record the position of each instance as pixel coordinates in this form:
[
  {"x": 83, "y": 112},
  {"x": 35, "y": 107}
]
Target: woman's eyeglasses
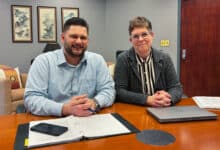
[{"x": 143, "y": 35}]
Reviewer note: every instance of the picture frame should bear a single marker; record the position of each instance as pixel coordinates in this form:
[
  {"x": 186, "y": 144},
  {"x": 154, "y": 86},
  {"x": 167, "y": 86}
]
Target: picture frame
[
  {"x": 21, "y": 17},
  {"x": 47, "y": 24},
  {"x": 67, "y": 13}
]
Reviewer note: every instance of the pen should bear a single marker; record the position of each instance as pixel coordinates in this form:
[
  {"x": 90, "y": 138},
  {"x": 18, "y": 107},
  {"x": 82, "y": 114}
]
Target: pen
[{"x": 91, "y": 110}]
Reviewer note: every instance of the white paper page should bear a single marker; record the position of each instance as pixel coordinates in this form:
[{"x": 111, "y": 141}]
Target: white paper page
[
  {"x": 207, "y": 101},
  {"x": 101, "y": 125},
  {"x": 37, "y": 139}
]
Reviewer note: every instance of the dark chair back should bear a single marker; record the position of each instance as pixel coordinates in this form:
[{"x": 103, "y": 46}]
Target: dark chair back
[
  {"x": 51, "y": 47},
  {"x": 118, "y": 52}
]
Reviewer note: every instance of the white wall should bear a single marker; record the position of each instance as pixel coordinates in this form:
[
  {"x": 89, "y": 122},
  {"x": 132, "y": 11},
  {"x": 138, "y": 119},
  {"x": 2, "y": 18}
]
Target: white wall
[
  {"x": 20, "y": 54},
  {"x": 163, "y": 15},
  {"x": 108, "y": 20}
]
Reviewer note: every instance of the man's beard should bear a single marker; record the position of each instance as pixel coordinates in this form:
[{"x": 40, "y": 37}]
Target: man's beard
[{"x": 68, "y": 49}]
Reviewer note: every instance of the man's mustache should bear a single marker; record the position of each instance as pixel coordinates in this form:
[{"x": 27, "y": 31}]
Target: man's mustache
[{"x": 77, "y": 46}]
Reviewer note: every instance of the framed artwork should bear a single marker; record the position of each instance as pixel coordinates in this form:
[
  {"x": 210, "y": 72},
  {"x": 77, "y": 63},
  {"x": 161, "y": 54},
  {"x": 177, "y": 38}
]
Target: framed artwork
[
  {"x": 67, "y": 13},
  {"x": 47, "y": 24},
  {"x": 21, "y": 23}
]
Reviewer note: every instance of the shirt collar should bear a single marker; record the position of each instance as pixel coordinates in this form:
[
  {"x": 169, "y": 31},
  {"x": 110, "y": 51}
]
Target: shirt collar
[{"x": 141, "y": 60}]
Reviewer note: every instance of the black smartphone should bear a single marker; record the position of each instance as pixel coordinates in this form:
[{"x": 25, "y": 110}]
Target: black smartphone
[{"x": 50, "y": 129}]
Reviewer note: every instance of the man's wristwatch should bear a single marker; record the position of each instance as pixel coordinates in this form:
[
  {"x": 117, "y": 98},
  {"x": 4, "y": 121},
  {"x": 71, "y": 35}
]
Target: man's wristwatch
[{"x": 97, "y": 106}]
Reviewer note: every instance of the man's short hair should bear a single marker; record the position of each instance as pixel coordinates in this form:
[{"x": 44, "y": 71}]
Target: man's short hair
[
  {"x": 75, "y": 21},
  {"x": 139, "y": 22}
]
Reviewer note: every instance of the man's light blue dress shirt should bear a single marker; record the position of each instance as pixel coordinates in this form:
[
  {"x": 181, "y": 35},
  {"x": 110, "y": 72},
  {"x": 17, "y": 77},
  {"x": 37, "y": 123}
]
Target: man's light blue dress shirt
[{"x": 52, "y": 82}]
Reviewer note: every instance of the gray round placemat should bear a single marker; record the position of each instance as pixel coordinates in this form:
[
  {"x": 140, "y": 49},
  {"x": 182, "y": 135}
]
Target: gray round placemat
[{"x": 155, "y": 137}]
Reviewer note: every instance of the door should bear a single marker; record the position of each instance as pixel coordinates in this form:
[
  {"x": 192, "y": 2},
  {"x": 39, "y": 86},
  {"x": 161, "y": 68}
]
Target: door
[{"x": 200, "y": 47}]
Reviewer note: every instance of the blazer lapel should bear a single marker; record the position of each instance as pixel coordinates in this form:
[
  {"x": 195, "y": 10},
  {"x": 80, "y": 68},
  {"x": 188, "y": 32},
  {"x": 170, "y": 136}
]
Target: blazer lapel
[
  {"x": 133, "y": 63},
  {"x": 157, "y": 70},
  {"x": 157, "y": 65}
]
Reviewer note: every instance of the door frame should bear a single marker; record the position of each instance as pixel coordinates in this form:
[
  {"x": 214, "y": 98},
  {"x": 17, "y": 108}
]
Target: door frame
[{"x": 178, "y": 38}]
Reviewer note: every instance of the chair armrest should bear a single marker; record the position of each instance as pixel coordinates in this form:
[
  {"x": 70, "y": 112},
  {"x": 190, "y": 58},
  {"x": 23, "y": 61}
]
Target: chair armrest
[
  {"x": 20, "y": 109},
  {"x": 5, "y": 97},
  {"x": 23, "y": 79}
]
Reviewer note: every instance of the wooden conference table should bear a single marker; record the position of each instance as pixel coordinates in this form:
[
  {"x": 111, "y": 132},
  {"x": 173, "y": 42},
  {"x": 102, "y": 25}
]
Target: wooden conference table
[{"x": 195, "y": 135}]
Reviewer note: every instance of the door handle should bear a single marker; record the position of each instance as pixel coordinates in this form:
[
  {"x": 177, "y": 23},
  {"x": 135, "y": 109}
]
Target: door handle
[{"x": 183, "y": 54}]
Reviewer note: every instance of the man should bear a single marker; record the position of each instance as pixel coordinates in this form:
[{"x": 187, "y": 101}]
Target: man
[
  {"x": 69, "y": 81},
  {"x": 144, "y": 75}
]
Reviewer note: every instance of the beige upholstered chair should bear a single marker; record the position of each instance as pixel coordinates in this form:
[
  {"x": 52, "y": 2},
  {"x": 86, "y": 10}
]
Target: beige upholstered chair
[
  {"x": 10, "y": 98},
  {"x": 111, "y": 67}
]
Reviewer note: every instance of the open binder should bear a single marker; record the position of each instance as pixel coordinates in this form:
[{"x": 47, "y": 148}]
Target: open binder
[{"x": 79, "y": 128}]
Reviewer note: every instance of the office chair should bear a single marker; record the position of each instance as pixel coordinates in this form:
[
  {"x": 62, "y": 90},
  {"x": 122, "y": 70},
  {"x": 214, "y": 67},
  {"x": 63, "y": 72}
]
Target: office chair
[
  {"x": 49, "y": 47},
  {"x": 118, "y": 52},
  {"x": 20, "y": 109}
]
